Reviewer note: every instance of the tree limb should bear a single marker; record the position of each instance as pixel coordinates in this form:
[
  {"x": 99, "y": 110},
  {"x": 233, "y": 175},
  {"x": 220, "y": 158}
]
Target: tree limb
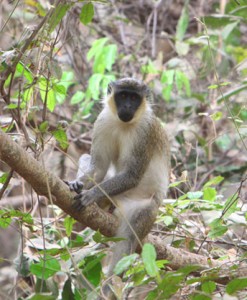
[{"x": 49, "y": 185}]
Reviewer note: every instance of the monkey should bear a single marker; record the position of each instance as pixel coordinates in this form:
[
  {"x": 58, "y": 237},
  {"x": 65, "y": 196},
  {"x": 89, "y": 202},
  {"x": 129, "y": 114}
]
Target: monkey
[{"x": 129, "y": 164}]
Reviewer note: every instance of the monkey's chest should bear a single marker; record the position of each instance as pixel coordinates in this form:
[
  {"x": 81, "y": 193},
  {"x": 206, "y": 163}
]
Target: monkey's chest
[{"x": 121, "y": 149}]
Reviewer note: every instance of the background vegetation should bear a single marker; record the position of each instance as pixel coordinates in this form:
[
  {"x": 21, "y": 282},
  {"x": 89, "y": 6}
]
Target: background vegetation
[{"x": 56, "y": 61}]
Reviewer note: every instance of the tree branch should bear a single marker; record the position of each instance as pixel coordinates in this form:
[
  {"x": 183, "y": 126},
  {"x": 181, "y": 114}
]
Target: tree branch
[{"x": 49, "y": 185}]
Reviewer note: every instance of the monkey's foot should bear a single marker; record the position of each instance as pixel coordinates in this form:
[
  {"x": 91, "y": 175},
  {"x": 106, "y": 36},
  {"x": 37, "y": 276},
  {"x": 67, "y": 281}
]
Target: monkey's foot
[
  {"x": 75, "y": 185},
  {"x": 82, "y": 200}
]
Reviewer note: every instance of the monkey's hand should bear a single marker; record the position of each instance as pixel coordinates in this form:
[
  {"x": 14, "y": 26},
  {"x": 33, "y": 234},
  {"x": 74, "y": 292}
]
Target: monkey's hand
[
  {"x": 83, "y": 199},
  {"x": 75, "y": 185}
]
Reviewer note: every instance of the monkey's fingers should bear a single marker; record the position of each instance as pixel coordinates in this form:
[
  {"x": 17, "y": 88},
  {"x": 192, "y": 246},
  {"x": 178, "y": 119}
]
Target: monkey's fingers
[
  {"x": 77, "y": 205},
  {"x": 84, "y": 199},
  {"x": 75, "y": 186}
]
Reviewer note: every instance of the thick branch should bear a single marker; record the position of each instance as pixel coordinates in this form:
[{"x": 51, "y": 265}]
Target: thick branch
[{"x": 45, "y": 183}]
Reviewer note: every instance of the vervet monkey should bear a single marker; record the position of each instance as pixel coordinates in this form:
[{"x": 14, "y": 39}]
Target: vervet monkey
[{"x": 129, "y": 163}]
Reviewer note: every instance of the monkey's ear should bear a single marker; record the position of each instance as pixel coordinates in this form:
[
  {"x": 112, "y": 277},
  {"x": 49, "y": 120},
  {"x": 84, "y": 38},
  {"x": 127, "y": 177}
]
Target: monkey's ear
[
  {"x": 148, "y": 94},
  {"x": 109, "y": 88}
]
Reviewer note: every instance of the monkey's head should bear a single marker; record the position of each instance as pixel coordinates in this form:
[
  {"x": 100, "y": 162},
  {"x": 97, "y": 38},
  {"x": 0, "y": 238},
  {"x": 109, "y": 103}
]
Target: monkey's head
[{"x": 127, "y": 98}]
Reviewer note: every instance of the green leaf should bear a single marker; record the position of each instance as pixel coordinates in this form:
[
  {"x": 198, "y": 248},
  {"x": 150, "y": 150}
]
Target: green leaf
[
  {"x": 41, "y": 296},
  {"x": 125, "y": 263},
  {"x": 182, "y": 83},
  {"x": 214, "y": 181},
  {"x": 170, "y": 284},
  {"x": 94, "y": 84},
  {"x": 153, "y": 295},
  {"x": 67, "y": 79},
  {"x": 59, "y": 88},
  {"x": 213, "y": 86},
  {"x": 228, "y": 29},
  {"x": 43, "y": 127},
  {"x": 176, "y": 183},
  {"x": 96, "y": 48},
  {"x": 217, "y": 228},
  {"x": 166, "y": 92},
  {"x": 149, "y": 258},
  {"x": 236, "y": 285},
  {"x": 106, "y": 80},
  {"x": 47, "y": 93},
  {"x": 216, "y": 116},
  {"x": 230, "y": 206},
  {"x": 3, "y": 177},
  {"x": 77, "y": 97},
  {"x": 209, "y": 193},
  {"x": 183, "y": 22},
  {"x": 208, "y": 287},
  {"x": 224, "y": 142},
  {"x": 12, "y": 106},
  {"x": 200, "y": 296},
  {"x": 5, "y": 220},
  {"x": 194, "y": 195},
  {"x": 99, "y": 238},
  {"x": 27, "y": 94},
  {"x": 87, "y": 13},
  {"x": 68, "y": 224},
  {"x": 45, "y": 268},
  {"x": 232, "y": 92},
  {"x": 217, "y": 231},
  {"x": 57, "y": 15},
  {"x": 67, "y": 293},
  {"x": 149, "y": 68},
  {"x": 61, "y": 138},
  {"x": 182, "y": 48},
  {"x": 23, "y": 70},
  {"x": 110, "y": 52},
  {"x": 92, "y": 268},
  {"x": 168, "y": 220},
  {"x": 167, "y": 77},
  {"x": 218, "y": 20}
]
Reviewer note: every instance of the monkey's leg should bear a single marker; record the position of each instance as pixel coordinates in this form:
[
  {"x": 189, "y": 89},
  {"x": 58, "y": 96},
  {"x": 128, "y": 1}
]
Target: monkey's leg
[
  {"x": 133, "y": 230},
  {"x": 134, "y": 226}
]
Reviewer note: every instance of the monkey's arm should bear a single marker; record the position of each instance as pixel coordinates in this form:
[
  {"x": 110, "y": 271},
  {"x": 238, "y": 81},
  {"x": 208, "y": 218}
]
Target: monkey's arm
[
  {"x": 89, "y": 174},
  {"x": 125, "y": 180}
]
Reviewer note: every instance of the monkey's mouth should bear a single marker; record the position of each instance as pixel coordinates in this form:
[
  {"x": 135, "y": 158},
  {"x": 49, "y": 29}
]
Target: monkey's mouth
[{"x": 125, "y": 117}]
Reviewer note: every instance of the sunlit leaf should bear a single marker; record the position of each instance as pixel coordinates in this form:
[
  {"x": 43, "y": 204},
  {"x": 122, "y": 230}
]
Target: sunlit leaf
[
  {"x": 149, "y": 258},
  {"x": 208, "y": 287},
  {"x": 68, "y": 224},
  {"x": 214, "y": 181},
  {"x": 235, "y": 285},
  {"x": 61, "y": 137},
  {"x": 125, "y": 263},
  {"x": 183, "y": 22},
  {"x": 77, "y": 97},
  {"x": 209, "y": 193},
  {"x": 45, "y": 268}
]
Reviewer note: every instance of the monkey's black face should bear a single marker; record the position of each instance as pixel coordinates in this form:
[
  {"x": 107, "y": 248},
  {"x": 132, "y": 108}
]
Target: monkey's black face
[{"x": 127, "y": 103}]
